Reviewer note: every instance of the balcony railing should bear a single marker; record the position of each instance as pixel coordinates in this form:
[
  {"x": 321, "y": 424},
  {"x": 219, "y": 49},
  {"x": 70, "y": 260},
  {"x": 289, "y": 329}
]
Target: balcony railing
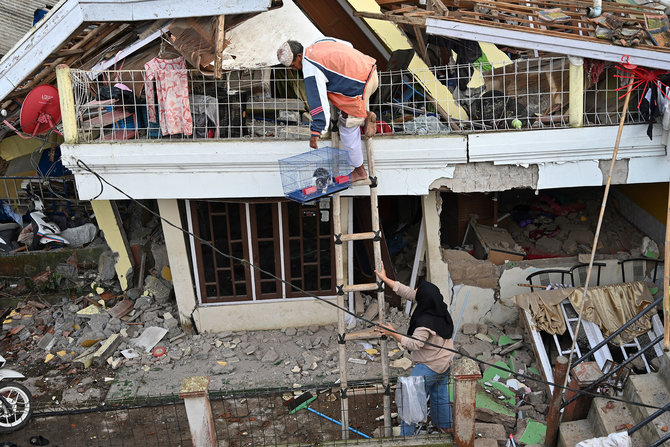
[{"x": 270, "y": 103}]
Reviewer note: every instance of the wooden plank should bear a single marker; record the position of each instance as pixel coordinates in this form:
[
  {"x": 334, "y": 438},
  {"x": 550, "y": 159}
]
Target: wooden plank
[
  {"x": 105, "y": 119},
  {"x": 550, "y": 33},
  {"x": 117, "y": 135},
  {"x": 391, "y": 18}
]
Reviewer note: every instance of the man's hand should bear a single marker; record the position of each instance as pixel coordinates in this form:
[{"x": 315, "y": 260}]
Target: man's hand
[{"x": 313, "y": 140}]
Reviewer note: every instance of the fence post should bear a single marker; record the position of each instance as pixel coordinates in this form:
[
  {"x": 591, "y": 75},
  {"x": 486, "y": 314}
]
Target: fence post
[
  {"x": 195, "y": 392},
  {"x": 466, "y": 374},
  {"x": 67, "y": 106},
  {"x": 554, "y": 415}
]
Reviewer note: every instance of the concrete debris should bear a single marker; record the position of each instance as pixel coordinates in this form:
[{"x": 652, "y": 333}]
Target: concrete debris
[
  {"x": 371, "y": 310},
  {"x": 157, "y": 288},
  {"x": 106, "y": 266},
  {"x": 149, "y": 338},
  {"x": 492, "y": 431},
  {"x": 270, "y": 356},
  {"x": 469, "y": 328}
]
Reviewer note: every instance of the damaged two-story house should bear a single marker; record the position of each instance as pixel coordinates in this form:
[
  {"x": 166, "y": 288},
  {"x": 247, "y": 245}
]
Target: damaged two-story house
[{"x": 489, "y": 120}]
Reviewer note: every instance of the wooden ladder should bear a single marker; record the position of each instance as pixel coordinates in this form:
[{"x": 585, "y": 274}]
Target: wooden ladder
[{"x": 342, "y": 289}]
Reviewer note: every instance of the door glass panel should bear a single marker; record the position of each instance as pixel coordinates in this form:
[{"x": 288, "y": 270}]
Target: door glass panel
[
  {"x": 264, "y": 220},
  {"x": 235, "y": 223},
  {"x": 208, "y": 263},
  {"x": 310, "y": 252},
  {"x": 268, "y": 287},
  {"x": 210, "y": 291},
  {"x": 225, "y": 283},
  {"x": 293, "y": 213},
  {"x": 266, "y": 257},
  {"x": 311, "y": 278}
]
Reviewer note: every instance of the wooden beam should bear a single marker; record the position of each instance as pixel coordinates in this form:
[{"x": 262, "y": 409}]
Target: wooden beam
[
  {"x": 218, "y": 48},
  {"x": 420, "y": 21},
  {"x": 422, "y": 45}
]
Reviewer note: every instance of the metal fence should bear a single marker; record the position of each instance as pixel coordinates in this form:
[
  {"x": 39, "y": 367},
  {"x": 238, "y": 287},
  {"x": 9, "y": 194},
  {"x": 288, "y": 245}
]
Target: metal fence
[
  {"x": 241, "y": 418},
  {"x": 270, "y": 103}
]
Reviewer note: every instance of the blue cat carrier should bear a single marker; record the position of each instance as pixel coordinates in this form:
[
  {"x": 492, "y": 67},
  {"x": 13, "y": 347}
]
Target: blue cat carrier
[{"x": 314, "y": 174}]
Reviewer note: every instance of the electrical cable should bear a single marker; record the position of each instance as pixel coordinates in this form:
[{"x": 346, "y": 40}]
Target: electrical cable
[{"x": 245, "y": 262}]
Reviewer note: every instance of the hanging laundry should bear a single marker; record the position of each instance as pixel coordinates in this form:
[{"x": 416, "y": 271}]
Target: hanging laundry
[
  {"x": 171, "y": 93},
  {"x": 655, "y": 102}
]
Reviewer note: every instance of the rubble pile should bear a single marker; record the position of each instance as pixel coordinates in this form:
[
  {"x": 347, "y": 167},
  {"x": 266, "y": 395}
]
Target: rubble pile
[
  {"x": 559, "y": 225},
  {"x": 518, "y": 404}
]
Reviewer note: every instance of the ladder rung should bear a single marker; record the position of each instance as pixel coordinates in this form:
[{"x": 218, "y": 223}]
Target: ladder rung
[
  {"x": 360, "y": 287},
  {"x": 357, "y": 236},
  {"x": 375, "y": 389},
  {"x": 362, "y": 335},
  {"x": 365, "y": 182}
]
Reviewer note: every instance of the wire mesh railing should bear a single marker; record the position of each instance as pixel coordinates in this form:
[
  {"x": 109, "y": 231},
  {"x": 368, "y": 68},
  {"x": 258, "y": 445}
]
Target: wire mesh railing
[
  {"x": 258, "y": 417},
  {"x": 271, "y": 103}
]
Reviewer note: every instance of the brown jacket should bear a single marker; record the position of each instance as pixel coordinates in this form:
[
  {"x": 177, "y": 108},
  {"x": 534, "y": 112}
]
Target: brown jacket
[{"x": 433, "y": 357}]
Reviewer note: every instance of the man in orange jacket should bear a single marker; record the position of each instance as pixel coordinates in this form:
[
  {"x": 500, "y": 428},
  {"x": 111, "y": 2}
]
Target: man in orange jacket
[{"x": 334, "y": 71}]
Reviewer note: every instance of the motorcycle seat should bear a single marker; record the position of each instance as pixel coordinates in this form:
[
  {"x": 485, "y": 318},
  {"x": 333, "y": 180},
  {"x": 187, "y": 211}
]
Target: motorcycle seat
[{"x": 8, "y": 226}]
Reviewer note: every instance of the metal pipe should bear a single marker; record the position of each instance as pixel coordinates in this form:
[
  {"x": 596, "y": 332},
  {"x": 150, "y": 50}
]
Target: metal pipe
[
  {"x": 596, "y": 10},
  {"x": 614, "y": 370},
  {"x": 618, "y": 331},
  {"x": 661, "y": 441},
  {"x": 649, "y": 418}
]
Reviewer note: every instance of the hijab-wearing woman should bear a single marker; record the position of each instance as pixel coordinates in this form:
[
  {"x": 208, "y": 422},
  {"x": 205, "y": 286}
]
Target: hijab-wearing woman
[{"x": 430, "y": 330}]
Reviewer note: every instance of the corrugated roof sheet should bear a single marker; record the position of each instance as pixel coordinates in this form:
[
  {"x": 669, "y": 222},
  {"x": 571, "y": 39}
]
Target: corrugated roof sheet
[{"x": 16, "y": 18}]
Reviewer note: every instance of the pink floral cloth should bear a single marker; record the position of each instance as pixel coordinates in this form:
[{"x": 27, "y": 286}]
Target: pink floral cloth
[{"x": 174, "y": 108}]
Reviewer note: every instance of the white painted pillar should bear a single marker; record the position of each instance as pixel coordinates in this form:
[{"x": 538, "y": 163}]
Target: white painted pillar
[
  {"x": 195, "y": 392},
  {"x": 109, "y": 222},
  {"x": 436, "y": 268},
  {"x": 178, "y": 256},
  {"x": 576, "y": 115}
]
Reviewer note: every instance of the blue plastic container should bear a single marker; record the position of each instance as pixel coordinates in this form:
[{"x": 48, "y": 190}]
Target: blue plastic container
[{"x": 315, "y": 174}]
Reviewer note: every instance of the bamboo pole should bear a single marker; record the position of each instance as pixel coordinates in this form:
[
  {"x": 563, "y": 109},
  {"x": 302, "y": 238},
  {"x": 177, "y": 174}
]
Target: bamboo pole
[
  {"x": 624, "y": 111},
  {"x": 376, "y": 245}
]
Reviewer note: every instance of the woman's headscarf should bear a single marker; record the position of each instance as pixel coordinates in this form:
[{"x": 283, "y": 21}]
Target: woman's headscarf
[{"x": 431, "y": 311}]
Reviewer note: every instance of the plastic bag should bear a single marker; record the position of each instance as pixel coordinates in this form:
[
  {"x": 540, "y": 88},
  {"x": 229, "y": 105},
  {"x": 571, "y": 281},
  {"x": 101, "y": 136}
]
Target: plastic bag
[
  {"x": 410, "y": 395},
  {"x": 620, "y": 439}
]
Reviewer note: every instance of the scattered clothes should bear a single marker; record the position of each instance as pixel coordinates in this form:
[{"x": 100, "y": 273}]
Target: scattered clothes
[{"x": 607, "y": 306}]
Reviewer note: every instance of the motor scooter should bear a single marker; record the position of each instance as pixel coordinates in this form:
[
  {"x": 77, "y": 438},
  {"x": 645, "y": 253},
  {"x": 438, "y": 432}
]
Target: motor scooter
[
  {"x": 16, "y": 402},
  {"x": 44, "y": 231}
]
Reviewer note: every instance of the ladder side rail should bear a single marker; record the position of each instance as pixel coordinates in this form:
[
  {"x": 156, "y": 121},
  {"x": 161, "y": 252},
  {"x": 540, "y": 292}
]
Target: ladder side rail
[{"x": 376, "y": 244}]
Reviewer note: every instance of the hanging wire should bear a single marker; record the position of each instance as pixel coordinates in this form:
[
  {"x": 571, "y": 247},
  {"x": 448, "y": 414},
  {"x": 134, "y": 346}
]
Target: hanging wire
[{"x": 82, "y": 165}]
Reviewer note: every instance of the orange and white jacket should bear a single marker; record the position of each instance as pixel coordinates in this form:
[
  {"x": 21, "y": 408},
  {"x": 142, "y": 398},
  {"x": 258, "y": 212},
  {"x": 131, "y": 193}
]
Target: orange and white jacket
[{"x": 335, "y": 71}]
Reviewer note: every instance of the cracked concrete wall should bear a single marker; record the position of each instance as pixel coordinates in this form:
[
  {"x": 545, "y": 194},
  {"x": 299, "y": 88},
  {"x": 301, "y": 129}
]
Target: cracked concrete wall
[
  {"x": 487, "y": 177},
  {"x": 484, "y": 177}
]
